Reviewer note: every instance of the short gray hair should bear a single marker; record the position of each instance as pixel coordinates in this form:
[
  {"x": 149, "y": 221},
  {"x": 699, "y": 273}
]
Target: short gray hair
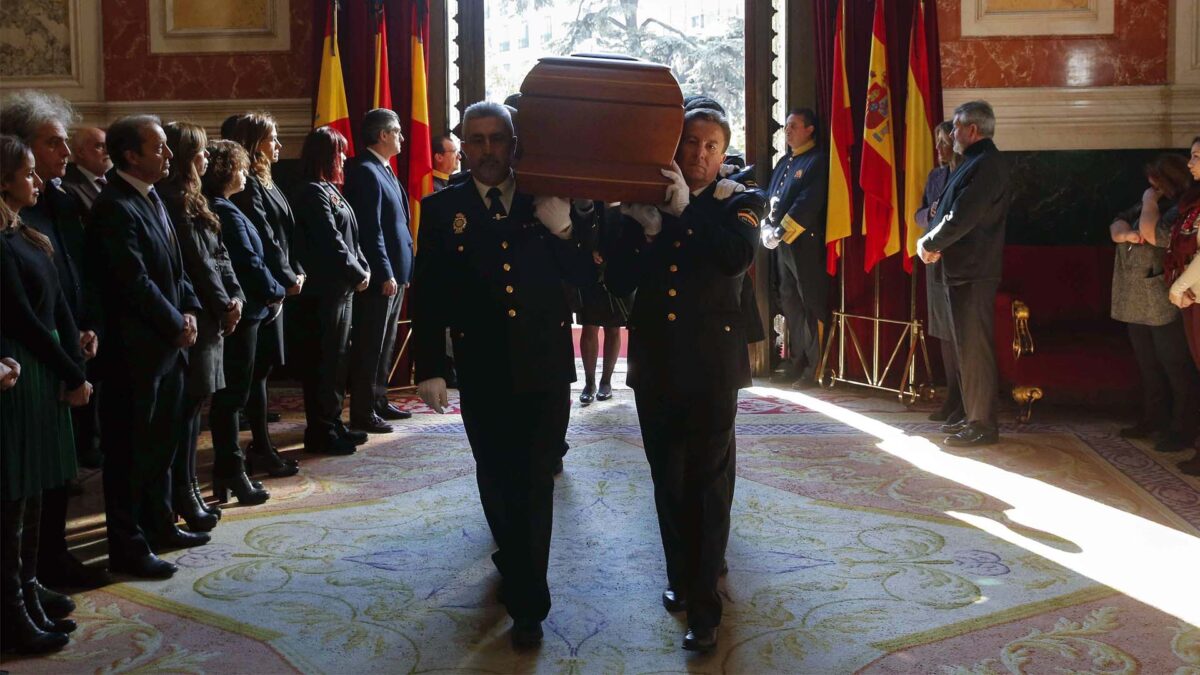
[
  {"x": 27, "y": 110},
  {"x": 488, "y": 109},
  {"x": 126, "y": 134},
  {"x": 980, "y": 114},
  {"x": 709, "y": 115},
  {"x": 377, "y": 121}
]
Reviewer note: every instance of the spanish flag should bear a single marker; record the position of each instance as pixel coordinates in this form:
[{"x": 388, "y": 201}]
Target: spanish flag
[
  {"x": 331, "y": 90},
  {"x": 881, "y": 213},
  {"x": 383, "y": 82},
  {"x": 420, "y": 158},
  {"x": 918, "y": 133},
  {"x": 841, "y": 140}
]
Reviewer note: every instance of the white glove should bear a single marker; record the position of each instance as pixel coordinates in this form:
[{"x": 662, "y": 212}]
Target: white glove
[
  {"x": 727, "y": 188},
  {"x": 768, "y": 235},
  {"x": 678, "y": 193},
  {"x": 433, "y": 393},
  {"x": 727, "y": 170},
  {"x": 554, "y": 213},
  {"x": 647, "y": 216}
]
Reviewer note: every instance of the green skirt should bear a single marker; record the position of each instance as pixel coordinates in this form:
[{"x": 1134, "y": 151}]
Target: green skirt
[{"x": 37, "y": 443}]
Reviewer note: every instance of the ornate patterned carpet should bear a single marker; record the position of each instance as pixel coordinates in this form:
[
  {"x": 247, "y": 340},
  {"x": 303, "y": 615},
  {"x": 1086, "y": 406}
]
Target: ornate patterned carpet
[{"x": 857, "y": 546}]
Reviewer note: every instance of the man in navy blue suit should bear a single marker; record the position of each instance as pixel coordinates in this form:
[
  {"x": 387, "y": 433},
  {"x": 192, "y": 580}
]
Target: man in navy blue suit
[{"x": 381, "y": 206}]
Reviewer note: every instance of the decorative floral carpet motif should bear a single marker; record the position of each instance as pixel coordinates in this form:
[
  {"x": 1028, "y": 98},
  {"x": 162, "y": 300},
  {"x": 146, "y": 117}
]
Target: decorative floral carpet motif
[{"x": 843, "y": 558}]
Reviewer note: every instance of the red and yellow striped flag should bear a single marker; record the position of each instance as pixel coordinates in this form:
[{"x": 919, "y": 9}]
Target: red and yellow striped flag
[
  {"x": 841, "y": 139},
  {"x": 420, "y": 157},
  {"x": 331, "y": 109},
  {"x": 918, "y": 134},
  {"x": 383, "y": 80},
  {"x": 881, "y": 213}
]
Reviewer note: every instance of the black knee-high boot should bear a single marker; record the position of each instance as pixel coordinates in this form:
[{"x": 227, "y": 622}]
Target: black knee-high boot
[
  {"x": 33, "y": 592},
  {"x": 18, "y": 632}
]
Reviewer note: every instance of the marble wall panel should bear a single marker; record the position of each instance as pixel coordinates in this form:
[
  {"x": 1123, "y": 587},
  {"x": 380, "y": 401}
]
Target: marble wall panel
[
  {"x": 1135, "y": 55},
  {"x": 132, "y": 73}
]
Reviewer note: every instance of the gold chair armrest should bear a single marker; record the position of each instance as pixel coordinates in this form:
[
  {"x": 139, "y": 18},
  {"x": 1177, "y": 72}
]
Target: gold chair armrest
[{"x": 1022, "y": 339}]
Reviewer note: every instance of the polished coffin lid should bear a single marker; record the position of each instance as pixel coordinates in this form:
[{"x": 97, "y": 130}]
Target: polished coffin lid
[{"x": 597, "y": 127}]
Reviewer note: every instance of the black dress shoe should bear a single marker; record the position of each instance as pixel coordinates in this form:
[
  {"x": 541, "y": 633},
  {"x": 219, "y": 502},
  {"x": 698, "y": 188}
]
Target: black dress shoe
[
  {"x": 65, "y": 571},
  {"x": 55, "y": 604},
  {"x": 526, "y": 634},
  {"x": 338, "y": 445},
  {"x": 273, "y": 417},
  {"x": 587, "y": 395},
  {"x": 391, "y": 412},
  {"x": 971, "y": 436},
  {"x": 373, "y": 425},
  {"x": 148, "y": 566},
  {"x": 1139, "y": 430},
  {"x": 352, "y": 435},
  {"x": 700, "y": 639},
  {"x": 953, "y": 426},
  {"x": 1169, "y": 442},
  {"x": 173, "y": 538},
  {"x": 673, "y": 602}
]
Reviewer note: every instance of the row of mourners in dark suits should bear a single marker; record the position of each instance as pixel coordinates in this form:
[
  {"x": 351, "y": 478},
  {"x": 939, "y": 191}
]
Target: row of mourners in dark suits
[{"x": 159, "y": 266}]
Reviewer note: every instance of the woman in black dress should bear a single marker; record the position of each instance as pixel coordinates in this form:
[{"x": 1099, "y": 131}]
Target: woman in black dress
[
  {"x": 327, "y": 245},
  {"x": 228, "y": 165},
  {"x": 598, "y": 308},
  {"x": 265, "y": 206},
  {"x": 37, "y": 446},
  {"x": 208, "y": 266}
]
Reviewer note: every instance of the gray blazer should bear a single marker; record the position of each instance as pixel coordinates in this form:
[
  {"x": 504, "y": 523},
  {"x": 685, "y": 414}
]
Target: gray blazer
[{"x": 1139, "y": 290}]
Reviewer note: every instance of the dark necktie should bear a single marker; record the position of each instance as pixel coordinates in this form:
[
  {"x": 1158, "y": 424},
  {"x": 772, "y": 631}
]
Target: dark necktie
[
  {"x": 496, "y": 210},
  {"x": 101, "y": 181},
  {"x": 163, "y": 218}
]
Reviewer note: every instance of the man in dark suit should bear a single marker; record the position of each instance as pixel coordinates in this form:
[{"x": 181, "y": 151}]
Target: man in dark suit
[
  {"x": 964, "y": 249},
  {"x": 490, "y": 266},
  {"x": 799, "y": 187},
  {"x": 85, "y": 176},
  {"x": 381, "y": 206},
  {"x": 687, "y": 357},
  {"x": 149, "y": 322},
  {"x": 41, "y": 120}
]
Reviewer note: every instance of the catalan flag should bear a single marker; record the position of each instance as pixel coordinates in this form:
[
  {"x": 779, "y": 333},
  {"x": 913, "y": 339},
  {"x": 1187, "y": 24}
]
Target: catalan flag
[
  {"x": 918, "y": 133},
  {"x": 420, "y": 157},
  {"x": 331, "y": 109},
  {"x": 841, "y": 139},
  {"x": 877, "y": 176}
]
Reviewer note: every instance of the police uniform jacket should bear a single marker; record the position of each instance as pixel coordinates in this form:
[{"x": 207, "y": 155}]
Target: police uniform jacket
[
  {"x": 799, "y": 190},
  {"x": 686, "y": 329},
  {"x": 327, "y": 241},
  {"x": 969, "y": 224},
  {"x": 497, "y": 285}
]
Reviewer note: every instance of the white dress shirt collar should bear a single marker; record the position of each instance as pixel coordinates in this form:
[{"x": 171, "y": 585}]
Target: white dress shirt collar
[{"x": 507, "y": 189}]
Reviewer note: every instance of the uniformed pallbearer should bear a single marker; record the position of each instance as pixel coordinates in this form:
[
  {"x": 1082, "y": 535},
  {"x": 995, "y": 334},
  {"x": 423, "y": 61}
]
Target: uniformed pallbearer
[
  {"x": 490, "y": 266},
  {"x": 688, "y": 358},
  {"x": 798, "y": 193}
]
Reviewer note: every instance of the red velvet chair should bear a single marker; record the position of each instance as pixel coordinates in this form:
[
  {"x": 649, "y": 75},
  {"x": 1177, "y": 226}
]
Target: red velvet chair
[{"x": 1071, "y": 351}]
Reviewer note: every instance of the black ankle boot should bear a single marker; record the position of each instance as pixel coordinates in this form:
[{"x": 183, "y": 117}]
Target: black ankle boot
[
  {"x": 61, "y": 604},
  {"x": 210, "y": 508},
  {"x": 18, "y": 632},
  {"x": 268, "y": 459},
  {"x": 229, "y": 475},
  {"x": 56, "y": 604},
  {"x": 188, "y": 507},
  {"x": 37, "y": 614}
]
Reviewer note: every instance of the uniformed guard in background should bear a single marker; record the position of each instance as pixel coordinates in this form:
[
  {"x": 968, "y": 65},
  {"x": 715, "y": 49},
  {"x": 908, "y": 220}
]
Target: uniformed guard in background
[
  {"x": 798, "y": 193},
  {"x": 687, "y": 357},
  {"x": 490, "y": 266}
]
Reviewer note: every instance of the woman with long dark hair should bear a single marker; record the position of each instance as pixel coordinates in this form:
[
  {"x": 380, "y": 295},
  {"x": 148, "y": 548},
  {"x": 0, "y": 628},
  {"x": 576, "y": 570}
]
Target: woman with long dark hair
[
  {"x": 37, "y": 445},
  {"x": 228, "y": 165},
  {"x": 265, "y": 206},
  {"x": 326, "y": 244},
  {"x": 208, "y": 265}
]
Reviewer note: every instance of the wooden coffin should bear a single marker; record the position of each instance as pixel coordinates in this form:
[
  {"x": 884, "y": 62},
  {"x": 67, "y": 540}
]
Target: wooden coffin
[{"x": 600, "y": 128}]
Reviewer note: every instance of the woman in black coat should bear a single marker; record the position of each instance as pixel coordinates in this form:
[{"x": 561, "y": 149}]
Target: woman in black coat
[
  {"x": 265, "y": 206},
  {"x": 207, "y": 264},
  {"x": 327, "y": 245},
  {"x": 226, "y": 176}
]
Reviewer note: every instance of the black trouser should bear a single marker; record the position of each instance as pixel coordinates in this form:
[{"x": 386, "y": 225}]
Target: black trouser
[
  {"x": 517, "y": 441},
  {"x": 954, "y": 403},
  {"x": 240, "y": 347},
  {"x": 266, "y": 356},
  {"x": 972, "y": 318},
  {"x": 1170, "y": 383},
  {"x": 326, "y": 331},
  {"x": 692, "y": 450},
  {"x": 141, "y": 419},
  {"x": 372, "y": 339},
  {"x": 803, "y": 298},
  {"x": 183, "y": 469}
]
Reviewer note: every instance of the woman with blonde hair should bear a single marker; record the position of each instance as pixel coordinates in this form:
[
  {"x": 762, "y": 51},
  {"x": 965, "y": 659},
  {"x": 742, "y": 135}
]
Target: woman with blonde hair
[
  {"x": 208, "y": 265},
  {"x": 37, "y": 444},
  {"x": 265, "y": 206}
]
